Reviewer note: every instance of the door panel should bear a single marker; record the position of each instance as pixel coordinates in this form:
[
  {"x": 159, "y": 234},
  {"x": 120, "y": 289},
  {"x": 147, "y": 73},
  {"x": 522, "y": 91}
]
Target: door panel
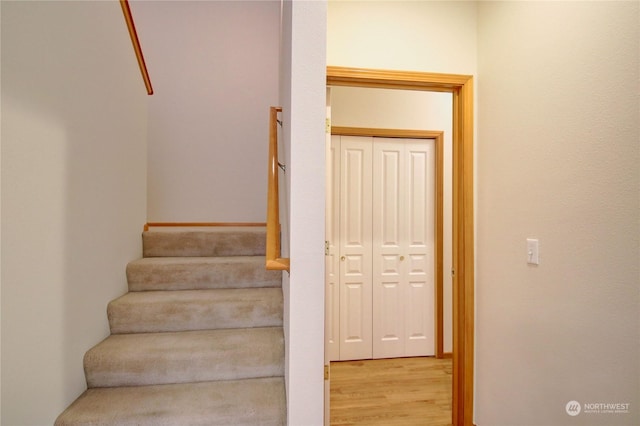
[
  {"x": 354, "y": 323},
  {"x": 419, "y": 333},
  {"x": 420, "y": 244},
  {"x": 388, "y": 299},
  {"x": 391, "y": 311},
  {"x": 355, "y": 248},
  {"x": 403, "y": 229},
  {"x": 417, "y": 197}
]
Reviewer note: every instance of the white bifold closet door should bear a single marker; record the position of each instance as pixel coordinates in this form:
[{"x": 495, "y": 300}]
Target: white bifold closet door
[
  {"x": 403, "y": 248},
  {"x": 385, "y": 199},
  {"x": 355, "y": 245}
]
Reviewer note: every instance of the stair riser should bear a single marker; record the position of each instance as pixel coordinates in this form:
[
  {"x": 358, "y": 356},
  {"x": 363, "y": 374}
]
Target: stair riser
[
  {"x": 137, "y": 313},
  {"x": 134, "y": 360},
  {"x": 194, "y": 244},
  {"x": 200, "y": 273}
]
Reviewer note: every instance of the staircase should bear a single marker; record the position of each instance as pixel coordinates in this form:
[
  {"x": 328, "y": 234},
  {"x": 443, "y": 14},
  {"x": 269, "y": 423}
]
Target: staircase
[{"x": 197, "y": 340}]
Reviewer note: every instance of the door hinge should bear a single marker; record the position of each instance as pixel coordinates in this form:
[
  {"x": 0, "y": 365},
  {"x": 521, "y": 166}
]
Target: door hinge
[
  {"x": 326, "y": 248},
  {"x": 327, "y": 125},
  {"x": 326, "y": 372}
]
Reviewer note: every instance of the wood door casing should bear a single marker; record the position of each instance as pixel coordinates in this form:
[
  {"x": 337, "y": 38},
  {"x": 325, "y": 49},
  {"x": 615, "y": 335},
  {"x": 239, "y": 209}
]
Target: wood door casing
[{"x": 462, "y": 89}]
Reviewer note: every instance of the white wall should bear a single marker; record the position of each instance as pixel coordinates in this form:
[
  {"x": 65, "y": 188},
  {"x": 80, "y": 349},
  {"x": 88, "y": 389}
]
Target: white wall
[
  {"x": 286, "y": 28},
  {"x": 303, "y": 99},
  {"x": 73, "y": 193},
  {"x": 214, "y": 68},
  {"x": 403, "y": 109},
  {"x": 430, "y": 36},
  {"x": 559, "y": 158}
]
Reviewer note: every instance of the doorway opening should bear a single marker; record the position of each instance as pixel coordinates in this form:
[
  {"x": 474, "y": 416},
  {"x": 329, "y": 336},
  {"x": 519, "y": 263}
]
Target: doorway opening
[{"x": 461, "y": 88}]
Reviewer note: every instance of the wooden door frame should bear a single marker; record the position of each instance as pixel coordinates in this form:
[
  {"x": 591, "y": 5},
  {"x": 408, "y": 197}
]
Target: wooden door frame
[
  {"x": 438, "y": 137},
  {"x": 461, "y": 88}
]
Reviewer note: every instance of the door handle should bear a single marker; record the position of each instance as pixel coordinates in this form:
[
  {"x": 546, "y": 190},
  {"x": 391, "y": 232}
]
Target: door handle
[
  {"x": 401, "y": 258},
  {"x": 343, "y": 258}
]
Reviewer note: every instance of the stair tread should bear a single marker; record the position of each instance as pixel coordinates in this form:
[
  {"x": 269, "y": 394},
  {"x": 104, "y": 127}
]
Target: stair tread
[
  {"x": 154, "y": 311},
  {"x": 189, "y": 356},
  {"x": 188, "y": 272},
  {"x": 242, "y": 402}
]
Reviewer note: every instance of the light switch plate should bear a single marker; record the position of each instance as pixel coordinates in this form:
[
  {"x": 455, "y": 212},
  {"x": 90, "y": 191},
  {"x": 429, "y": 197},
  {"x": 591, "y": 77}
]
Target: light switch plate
[{"x": 532, "y": 251}]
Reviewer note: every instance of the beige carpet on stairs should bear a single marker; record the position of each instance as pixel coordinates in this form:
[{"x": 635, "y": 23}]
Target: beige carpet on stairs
[{"x": 198, "y": 339}]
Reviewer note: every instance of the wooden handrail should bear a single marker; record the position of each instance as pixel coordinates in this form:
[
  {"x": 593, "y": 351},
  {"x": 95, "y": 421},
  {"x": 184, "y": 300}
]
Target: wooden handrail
[
  {"x": 273, "y": 259},
  {"x": 124, "y": 4}
]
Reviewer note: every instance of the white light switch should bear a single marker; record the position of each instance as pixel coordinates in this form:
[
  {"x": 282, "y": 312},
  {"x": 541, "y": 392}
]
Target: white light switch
[{"x": 532, "y": 251}]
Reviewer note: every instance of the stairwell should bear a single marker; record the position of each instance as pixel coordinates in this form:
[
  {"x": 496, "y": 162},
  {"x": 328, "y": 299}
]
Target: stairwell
[{"x": 197, "y": 340}]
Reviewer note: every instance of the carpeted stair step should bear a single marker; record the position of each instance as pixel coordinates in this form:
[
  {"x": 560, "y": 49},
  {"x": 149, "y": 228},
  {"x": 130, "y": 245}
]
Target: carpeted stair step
[
  {"x": 190, "y": 273},
  {"x": 222, "y": 241},
  {"x": 188, "y": 356},
  {"x": 242, "y": 402},
  {"x": 158, "y": 311},
  {"x": 198, "y": 340}
]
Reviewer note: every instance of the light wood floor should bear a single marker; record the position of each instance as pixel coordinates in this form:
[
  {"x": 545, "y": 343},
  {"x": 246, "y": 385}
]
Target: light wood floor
[{"x": 400, "y": 391}]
